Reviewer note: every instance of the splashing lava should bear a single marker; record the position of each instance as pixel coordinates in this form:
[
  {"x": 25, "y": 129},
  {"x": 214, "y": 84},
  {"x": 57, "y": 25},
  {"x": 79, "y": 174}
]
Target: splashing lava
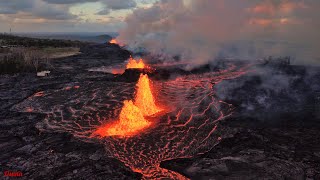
[
  {"x": 188, "y": 126},
  {"x": 132, "y": 114},
  {"x": 135, "y": 64}
]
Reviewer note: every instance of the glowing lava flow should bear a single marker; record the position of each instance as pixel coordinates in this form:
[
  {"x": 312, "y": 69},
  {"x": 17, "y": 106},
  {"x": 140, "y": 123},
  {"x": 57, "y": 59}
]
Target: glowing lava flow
[
  {"x": 132, "y": 119},
  {"x": 135, "y": 64},
  {"x": 190, "y": 126}
]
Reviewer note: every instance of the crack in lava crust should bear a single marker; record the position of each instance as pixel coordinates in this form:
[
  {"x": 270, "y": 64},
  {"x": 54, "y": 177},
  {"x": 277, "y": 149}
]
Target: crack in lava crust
[{"x": 186, "y": 130}]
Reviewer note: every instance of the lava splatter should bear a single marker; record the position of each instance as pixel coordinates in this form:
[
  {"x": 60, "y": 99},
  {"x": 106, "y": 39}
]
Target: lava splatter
[{"x": 132, "y": 116}]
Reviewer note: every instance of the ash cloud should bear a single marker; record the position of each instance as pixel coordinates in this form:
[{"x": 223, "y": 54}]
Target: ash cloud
[{"x": 202, "y": 30}]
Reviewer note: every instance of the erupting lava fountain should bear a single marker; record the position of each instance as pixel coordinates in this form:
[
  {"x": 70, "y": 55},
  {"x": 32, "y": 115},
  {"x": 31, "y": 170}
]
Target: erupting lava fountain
[
  {"x": 135, "y": 64},
  {"x": 129, "y": 119},
  {"x": 132, "y": 116}
]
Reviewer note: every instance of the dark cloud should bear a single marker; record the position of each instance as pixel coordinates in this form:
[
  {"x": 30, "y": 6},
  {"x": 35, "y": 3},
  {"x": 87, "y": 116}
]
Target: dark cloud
[
  {"x": 55, "y": 15},
  {"x": 35, "y": 8},
  {"x": 112, "y": 4},
  {"x": 117, "y": 4},
  {"x": 68, "y": 1},
  {"x": 103, "y": 12},
  {"x": 14, "y": 6},
  {"x": 146, "y": 1}
]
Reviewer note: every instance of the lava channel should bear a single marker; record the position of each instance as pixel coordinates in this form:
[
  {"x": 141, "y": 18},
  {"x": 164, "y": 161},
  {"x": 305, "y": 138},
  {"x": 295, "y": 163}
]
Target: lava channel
[{"x": 188, "y": 125}]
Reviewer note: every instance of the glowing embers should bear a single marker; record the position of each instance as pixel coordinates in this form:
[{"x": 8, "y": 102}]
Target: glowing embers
[
  {"x": 132, "y": 116},
  {"x": 135, "y": 64}
]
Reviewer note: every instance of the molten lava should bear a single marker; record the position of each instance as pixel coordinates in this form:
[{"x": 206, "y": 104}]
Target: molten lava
[
  {"x": 190, "y": 128},
  {"x": 135, "y": 64},
  {"x": 144, "y": 98},
  {"x": 113, "y": 41},
  {"x": 131, "y": 120}
]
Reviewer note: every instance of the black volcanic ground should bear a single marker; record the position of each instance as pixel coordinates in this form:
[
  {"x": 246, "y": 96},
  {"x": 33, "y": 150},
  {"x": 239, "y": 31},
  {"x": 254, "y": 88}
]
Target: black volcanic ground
[{"x": 274, "y": 132}]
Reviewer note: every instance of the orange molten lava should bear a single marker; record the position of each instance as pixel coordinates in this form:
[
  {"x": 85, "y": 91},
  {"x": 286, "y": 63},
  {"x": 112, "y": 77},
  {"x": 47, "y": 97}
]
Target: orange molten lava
[
  {"x": 144, "y": 98},
  {"x": 131, "y": 120},
  {"x": 135, "y": 64},
  {"x": 113, "y": 41}
]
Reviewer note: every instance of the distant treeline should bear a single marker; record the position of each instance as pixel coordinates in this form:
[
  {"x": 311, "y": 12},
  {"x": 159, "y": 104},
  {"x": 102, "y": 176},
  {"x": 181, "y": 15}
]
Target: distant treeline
[{"x": 11, "y": 40}]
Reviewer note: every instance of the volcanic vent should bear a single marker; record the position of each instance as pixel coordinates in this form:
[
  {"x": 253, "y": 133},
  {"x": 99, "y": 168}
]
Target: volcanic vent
[{"x": 141, "y": 123}]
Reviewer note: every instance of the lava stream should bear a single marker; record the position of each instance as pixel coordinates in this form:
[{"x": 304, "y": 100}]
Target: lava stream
[{"x": 189, "y": 126}]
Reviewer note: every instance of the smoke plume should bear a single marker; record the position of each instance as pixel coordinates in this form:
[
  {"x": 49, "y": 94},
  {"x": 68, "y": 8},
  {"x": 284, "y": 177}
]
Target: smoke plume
[{"x": 201, "y": 30}]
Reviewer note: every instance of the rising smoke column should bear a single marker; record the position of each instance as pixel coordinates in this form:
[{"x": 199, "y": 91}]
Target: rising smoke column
[{"x": 201, "y": 30}]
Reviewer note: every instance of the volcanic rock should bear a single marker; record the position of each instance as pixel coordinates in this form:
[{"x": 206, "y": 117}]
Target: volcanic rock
[
  {"x": 272, "y": 134},
  {"x": 53, "y": 155}
]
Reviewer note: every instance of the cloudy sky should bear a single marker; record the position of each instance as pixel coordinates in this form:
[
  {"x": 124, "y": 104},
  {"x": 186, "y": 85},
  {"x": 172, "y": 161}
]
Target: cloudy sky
[
  {"x": 66, "y": 15},
  {"x": 198, "y": 29}
]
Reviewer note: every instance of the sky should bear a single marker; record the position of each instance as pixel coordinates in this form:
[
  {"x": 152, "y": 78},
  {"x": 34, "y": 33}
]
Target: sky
[
  {"x": 66, "y": 15},
  {"x": 196, "y": 29}
]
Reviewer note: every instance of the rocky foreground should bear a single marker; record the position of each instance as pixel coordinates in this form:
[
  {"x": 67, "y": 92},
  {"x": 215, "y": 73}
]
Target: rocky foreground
[{"x": 274, "y": 132}]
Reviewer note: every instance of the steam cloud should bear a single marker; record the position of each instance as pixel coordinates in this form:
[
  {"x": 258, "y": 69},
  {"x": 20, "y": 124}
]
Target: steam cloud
[{"x": 202, "y": 30}]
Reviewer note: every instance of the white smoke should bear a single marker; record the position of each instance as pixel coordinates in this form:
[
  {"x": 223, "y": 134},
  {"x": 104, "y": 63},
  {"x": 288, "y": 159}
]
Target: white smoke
[{"x": 202, "y": 30}]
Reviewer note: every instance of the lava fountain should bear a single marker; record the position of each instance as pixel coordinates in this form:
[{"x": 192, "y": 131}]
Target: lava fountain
[
  {"x": 132, "y": 64},
  {"x": 189, "y": 126},
  {"x": 135, "y": 64},
  {"x": 130, "y": 122},
  {"x": 144, "y": 99},
  {"x": 132, "y": 116},
  {"x": 113, "y": 41}
]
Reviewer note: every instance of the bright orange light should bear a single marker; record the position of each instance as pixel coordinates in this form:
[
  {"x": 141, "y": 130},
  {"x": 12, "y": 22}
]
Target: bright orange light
[
  {"x": 134, "y": 64},
  {"x": 132, "y": 116},
  {"x": 130, "y": 122},
  {"x": 144, "y": 98},
  {"x": 113, "y": 41}
]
